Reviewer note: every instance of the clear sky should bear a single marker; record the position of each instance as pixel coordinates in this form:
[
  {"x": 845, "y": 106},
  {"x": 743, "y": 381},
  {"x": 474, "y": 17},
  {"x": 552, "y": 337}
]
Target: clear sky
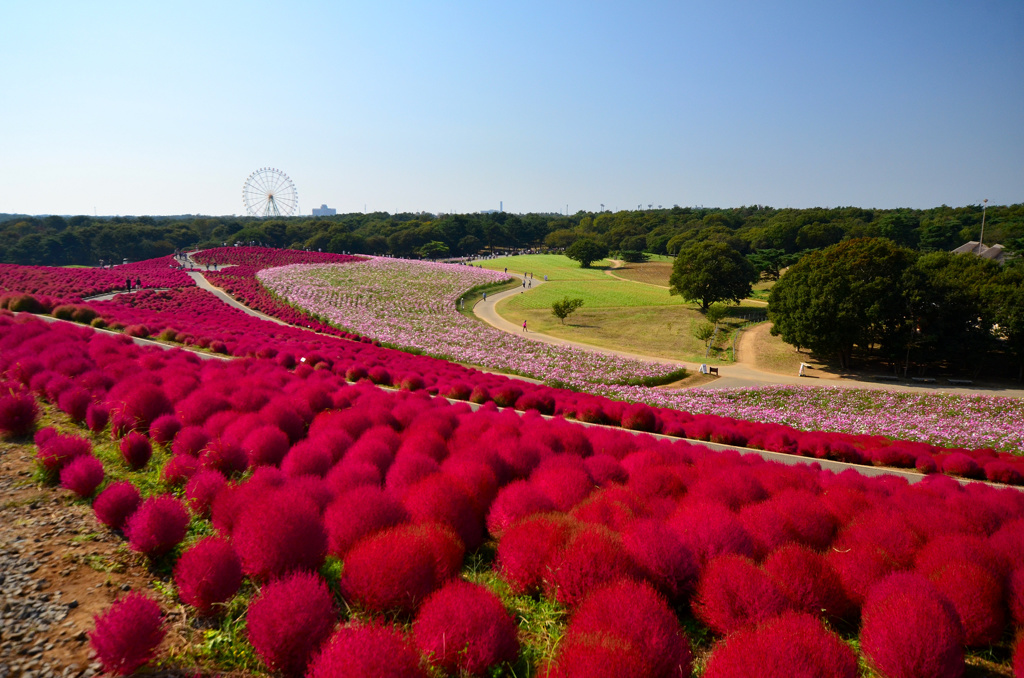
[{"x": 145, "y": 107}]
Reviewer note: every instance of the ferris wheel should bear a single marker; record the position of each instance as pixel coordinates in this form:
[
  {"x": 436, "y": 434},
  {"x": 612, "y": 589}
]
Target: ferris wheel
[{"x": 268, "y": 192}]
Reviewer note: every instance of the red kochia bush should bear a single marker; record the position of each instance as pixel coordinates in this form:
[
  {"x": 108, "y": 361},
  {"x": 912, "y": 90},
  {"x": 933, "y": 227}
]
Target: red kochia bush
[
  {"x": 278, "y": 534},
  {"x": 438, "y": 498},
  {"x": 58, "y": 451},
  {"x": 366, "y": 652},
  {"x": 266, "y": 445},
  {"x": 793, "y": 645},
  {"x": 97, "y": 415},
  {"x": 190, "y": 440},
  {"x": 127, "y": 635},
  {"x": 807, "y": 581},
  {"x": 465, "y": 627},
  {"x": 202, "y": 489},
  {"x": 593, "y": 556},
  {"x": 527, "y": 548},
  {"x": 75, "y": 402},
  {"x": 115, "y": 504},
  {"x": 978, "y": 597},
  {"x": 221, "y": 455},
  {"x": 164, "y": 428},
  {"x": 516, "y": 501},
  {"x": 391, "y": 570},
  {"x": 909, "y": 630},
  {"x": 289, "y": 621},
  {"x": 639, "y": 417},
  {"x": 357, "y": 513},
  {"x": 210, "y": 572},
  {"x": 18, "y": 413},
  {"x": 82, "y": 475},
  {"x": 634, "y": 616},
  {"x": 136, "y": 450},
  {"x": 733, "y": 593},
  {"x": 179, "y": 469},
  {"x": 662, "y": 558},
  {"x": 157, "y": 526}
]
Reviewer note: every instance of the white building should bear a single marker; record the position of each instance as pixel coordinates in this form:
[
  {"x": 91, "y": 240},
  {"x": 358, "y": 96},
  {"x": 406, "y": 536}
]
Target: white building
[{"x": 324, "y": 211}]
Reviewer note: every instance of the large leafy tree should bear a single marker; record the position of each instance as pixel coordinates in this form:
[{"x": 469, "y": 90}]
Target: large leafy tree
[
  {"x": 586, "y": 251},
  {"x": 845, "y": 295},
  {"x": 708, "y": 271}
]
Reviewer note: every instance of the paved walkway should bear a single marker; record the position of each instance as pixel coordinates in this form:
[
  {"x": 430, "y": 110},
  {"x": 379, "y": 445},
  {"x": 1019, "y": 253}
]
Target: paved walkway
[{"x": 736, "y": 375}]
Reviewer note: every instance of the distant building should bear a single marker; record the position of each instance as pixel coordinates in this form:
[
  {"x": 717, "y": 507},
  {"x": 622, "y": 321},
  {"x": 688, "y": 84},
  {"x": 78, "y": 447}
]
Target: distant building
[
  {"x": 324, "y": 211},
  {"x": 996, "y": 253}
]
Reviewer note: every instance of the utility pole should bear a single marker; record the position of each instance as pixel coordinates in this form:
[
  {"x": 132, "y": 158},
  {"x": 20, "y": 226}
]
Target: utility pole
[{"x": 981, "y": 242}]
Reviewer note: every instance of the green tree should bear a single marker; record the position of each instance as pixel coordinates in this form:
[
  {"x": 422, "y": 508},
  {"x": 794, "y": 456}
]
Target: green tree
[
  {"x": 586, "y": 251},
  {"x": 565, "y": 307},
  {"x": 435, "y": 249},
  {"x": 845, "y": 295},
  {"x": 711, "y": 271},
  {"x": 705, "y": 332}
]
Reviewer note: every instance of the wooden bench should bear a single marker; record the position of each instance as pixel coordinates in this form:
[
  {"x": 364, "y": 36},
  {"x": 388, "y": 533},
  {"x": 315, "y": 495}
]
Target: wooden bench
[
  {"x": 713, "y": 370},
  {"x": 960, "y": 382},
  {"x": 923, "y": 380},
  {"x": 887, "y": 377}
]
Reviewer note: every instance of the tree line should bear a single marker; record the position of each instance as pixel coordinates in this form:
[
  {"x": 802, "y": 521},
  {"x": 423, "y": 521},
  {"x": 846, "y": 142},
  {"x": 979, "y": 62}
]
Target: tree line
[
  {"x": 772, "y": 237},
  {"x": 914, "y": 311}
]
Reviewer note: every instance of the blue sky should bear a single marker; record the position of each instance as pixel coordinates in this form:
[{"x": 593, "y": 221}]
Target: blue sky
[{"x": 165, "y": 108}]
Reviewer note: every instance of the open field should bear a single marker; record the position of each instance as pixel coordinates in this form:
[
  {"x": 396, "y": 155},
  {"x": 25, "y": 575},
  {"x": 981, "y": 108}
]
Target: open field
[{"x": 555, "y": 266}]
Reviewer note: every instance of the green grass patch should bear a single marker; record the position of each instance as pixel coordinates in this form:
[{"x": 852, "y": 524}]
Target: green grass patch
[
  {"x": 604, "y": 292},
  {"x": 555, "y": 266}
]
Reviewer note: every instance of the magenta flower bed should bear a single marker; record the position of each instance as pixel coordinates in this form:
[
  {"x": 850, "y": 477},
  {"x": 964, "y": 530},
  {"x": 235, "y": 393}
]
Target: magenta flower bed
[
  {"x": 622, "y": 511},
  {"x": 75, "y": 283}
]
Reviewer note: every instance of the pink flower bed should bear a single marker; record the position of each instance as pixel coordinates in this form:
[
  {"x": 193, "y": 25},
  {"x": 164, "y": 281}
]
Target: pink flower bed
[{"x": 632, "y": 534}]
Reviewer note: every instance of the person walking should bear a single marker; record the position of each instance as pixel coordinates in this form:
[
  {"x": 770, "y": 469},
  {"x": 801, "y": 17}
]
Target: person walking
[
  {"x": 128, "y": 284},
  {"x": 138, "y": 283},
  {"x": 524, "y": 326}
]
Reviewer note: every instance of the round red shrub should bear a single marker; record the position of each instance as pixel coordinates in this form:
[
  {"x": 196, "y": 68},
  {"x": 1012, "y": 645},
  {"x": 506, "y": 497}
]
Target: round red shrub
[
  {"x": 164, "y": 428},
  {"x": 266, "y": 445},
  {"x": 97, "y": 416},
  {"x": 564, "y": 485},
  {"x": 593, "y": 556},
  {"x": 393, "y": 570},
  {"x": 157, "y": 526},
  {"x": 792, "y": 645},
  {"x": 190, "y": 441},
  {"x": 527, "y": 548},
  {"x": 18, "y": 414},
  {"x": 75, "y": 402},
  {"x": 199, "y": 406},
  {"x": 289, "y": 620},
  {"x": 709, "y": 530},
  {"x": 59, "y": 451},
  {"x": 82, "y": 475},
  {"x": 999, "y": 471},
  {"x": 144, "y": 404},
  {"x": 635, "y": 615},
  {"x": 639, "y": 417},
  {"x": 439, "y": 499},
  {"x": 202, "y": 488},
  {"x": 464, "y": 627},
  {"x": 734, "y": 593},
  {"x": 978, "y": 597},
  {"x": 662, "y": 559},
  {"x": 1015, "y": 597},
  {"x": 859, "y": 568},
  {"x": 179, "y": 469},
  {"x": 366, "y": 651},
  {"x": 136, "y": 450},
  {"x": 808, "y": 581},
  {"x": 279, "y": 534},
  {"x": 208, "y": 573},
  {"x": 116, "y": 503},
  {"x": 515, "y": 501},
  {"x": 307, "y": 457},
  {"x": 605, "y": 469},
  {"x": 221, "y": 455},
  {"x": 600, "y": 656},
  {"x": 910, "y": 630},
  {"x": 128, "y": 634},
  {"x": 358, "y": 513}
]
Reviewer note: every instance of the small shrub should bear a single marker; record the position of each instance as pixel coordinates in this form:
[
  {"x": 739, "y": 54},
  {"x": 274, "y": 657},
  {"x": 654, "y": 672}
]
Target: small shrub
[
  {"x": 127, "y": 635},
  {"x": 639, "y": 417},
  {"x": 279, "y": 534},
  {"x": 662, "y": 558},
  {"x": 807, "y": 581},
  {"x": 289, "y": 620},
  {"x": 591, "y": 557},
  {"x": 157, "y": 526},
  {"x": 202, "y": 488},
  {"x": 358, "y": 513},
  {"x": 393, "y": 570},
  {"x": 207, "y": 574},
  {"x": 82, "y": 475},
  {"x": 366, "y": 651},
  {"x": 910, "y": 630},
  {"x": 61, "y": 450},
  {"x": 116, "y": 504},
  {"x": 439, "y": 499},
  {"x": 464, "y": 627},
  {"x": 793, "y": 645},
  {"x": 734, "y": 593},
  {"x": 18, "y": 414},
  {"x": 164, "y": 428},
  {"x": 221, "y": 455},
  {"x": 75, "y": 402},
  {"x": 190, "y": 441},
  {"x": 527, "y": 548},
  {"x": 307, "y": 457},
  {"x": 978, "y": 597},
  {"x": 266, "y": 445},
  {"x": 179, "y": 469},
  {"x": 516, "y": 501},
  {"x": 97, "y": 416},
  {"x": 136, "y": 450}
]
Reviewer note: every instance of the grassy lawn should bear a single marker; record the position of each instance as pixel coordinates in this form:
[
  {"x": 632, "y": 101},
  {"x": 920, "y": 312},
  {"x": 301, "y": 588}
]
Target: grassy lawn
[{"x": 555, "y": 266}]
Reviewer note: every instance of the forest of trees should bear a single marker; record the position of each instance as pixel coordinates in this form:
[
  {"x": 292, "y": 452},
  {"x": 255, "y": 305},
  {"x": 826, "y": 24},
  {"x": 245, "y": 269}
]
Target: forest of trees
[{"x": 769, "y": 234}]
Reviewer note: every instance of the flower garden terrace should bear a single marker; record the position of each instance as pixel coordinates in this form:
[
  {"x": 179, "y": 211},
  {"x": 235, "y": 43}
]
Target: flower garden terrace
[
  {"x": 366, "y": 530},
  {"x": 195, "y": 318}
]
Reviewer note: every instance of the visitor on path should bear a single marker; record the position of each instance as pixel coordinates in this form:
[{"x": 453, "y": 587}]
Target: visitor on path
[
  {"x": 485, "y": 296},
  {"x": 545, "y": 278},
  {"x": 128, "y": 284},
  {"x": 524, "y": 282},
  {"x": 531, "y": 283},
  {"x": 524, "y": 326},
  {"x": 138, "y": 283},
  {"x": 506, "y": 269}
]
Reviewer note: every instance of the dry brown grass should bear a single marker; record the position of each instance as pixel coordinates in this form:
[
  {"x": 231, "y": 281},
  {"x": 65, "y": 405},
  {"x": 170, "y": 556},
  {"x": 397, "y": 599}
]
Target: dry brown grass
[{"x": 651, "y": 272}]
